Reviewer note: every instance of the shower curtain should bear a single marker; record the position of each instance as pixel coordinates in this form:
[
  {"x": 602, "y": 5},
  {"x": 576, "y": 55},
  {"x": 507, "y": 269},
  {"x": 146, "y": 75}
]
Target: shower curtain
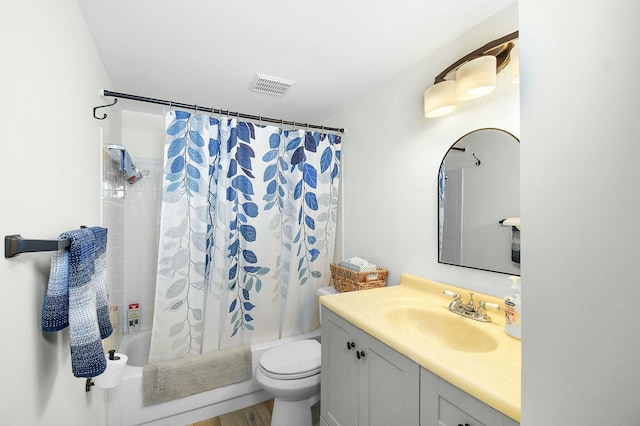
[{"x": 247, "y": 233}]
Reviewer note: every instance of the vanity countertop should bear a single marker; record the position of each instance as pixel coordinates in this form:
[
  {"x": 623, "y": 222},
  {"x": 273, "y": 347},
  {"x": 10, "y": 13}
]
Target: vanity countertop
[{"x": 492, "y": 376}]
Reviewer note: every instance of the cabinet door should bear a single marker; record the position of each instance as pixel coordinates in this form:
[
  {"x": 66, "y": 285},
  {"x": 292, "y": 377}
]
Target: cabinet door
[
  {"x": 429, "y": 398},
  {"x": 389, "y": 385},
  {"x": 339, "y": 377},
  {"x": 442, "y": 404}
]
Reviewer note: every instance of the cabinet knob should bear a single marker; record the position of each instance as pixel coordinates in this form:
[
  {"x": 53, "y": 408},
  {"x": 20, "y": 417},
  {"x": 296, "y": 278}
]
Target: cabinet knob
[
  {"x": 360, "y": 354},
  {"x": 350, "y": 345}
]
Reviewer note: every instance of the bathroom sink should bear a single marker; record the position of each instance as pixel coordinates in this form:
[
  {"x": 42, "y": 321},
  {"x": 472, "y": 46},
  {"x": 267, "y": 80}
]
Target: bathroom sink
[{"x": 441, "y": 326}]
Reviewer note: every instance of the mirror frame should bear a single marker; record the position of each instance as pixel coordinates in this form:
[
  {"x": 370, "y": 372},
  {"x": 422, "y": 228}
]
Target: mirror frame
[{"x": 438, "y": 201}]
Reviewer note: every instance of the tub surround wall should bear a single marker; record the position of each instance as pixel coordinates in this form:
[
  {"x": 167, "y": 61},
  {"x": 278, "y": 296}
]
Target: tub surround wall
[
  {"x": 141, "y": 226},
  {"x": 143, "y": 135},
  {"x": 131, "y": 213},
  {"x": 113, "y": 192}
]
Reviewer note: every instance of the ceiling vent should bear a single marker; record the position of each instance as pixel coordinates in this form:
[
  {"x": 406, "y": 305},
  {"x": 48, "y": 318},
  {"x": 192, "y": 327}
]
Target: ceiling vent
[{"x": 270, "y": 85}]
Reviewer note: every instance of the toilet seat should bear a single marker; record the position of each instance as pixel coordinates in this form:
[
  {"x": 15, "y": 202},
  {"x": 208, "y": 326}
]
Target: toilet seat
[{"x": 295, "y": 360}]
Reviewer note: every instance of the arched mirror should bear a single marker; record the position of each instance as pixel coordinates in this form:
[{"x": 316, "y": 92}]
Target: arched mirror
[{"x": 478, "y": 188}]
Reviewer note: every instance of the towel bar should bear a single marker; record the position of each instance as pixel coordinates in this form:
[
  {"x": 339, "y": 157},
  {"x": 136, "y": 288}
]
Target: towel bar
[{"x": 15, "y": 244}]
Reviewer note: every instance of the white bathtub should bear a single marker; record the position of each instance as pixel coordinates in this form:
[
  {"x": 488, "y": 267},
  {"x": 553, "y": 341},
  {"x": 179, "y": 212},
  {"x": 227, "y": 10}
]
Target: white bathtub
[{"x": 125, "y": 400}]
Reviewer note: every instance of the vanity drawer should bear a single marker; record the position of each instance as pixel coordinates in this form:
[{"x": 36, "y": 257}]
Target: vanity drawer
[
  {"x": 457, "y": 407},
  {"x": 451, "y": 415},
  {"x": 443, "y": 404}
]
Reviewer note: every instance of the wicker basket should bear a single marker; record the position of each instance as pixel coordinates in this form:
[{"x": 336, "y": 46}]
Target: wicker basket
[{"x": 344, "y": 279}]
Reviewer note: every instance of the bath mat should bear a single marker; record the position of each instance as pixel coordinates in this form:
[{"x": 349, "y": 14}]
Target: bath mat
[{"x": 167, "y": 380}]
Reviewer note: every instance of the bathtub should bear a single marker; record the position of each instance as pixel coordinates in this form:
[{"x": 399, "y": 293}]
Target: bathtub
[{"x": 125, "y": 400}]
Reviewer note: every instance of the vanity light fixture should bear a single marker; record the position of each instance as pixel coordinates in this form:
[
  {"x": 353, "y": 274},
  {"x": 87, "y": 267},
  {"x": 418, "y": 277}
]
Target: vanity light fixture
[
  {"x": 515, "y": 64},
  {"x": 440, "y": 99},
  {"x": 476, "y": 78},
  {"x": 470, "y": 77}
]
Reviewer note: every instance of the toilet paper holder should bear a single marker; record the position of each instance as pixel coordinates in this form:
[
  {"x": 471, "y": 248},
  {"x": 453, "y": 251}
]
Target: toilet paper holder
[{"x": 90, "y": 382}]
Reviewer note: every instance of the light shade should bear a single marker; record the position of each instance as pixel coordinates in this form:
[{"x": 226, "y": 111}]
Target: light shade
[
  {"x": 476, "y": 78},
  {"x": 515, "y": 64},
  {"x": 440, "y": 99}
]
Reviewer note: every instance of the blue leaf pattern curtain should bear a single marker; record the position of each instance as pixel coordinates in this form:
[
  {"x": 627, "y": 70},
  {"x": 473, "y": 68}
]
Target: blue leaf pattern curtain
[{"x": 247, "y": 233}]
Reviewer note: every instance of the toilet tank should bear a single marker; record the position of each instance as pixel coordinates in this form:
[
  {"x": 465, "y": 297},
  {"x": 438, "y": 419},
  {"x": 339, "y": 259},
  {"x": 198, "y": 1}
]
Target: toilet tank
[{"x": 323, "y": 291}]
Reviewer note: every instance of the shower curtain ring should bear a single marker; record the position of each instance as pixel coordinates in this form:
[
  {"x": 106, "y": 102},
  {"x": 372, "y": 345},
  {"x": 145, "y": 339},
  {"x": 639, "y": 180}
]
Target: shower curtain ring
[
  {"x": 170, "y": 105},
  {"x": 195, "y": 111}
]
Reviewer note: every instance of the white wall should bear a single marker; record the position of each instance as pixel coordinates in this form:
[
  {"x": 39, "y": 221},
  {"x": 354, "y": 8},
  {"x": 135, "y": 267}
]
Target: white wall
[
  {"x": 580, "y": 210},
  {"x": 51, "y": 174},
  {"x": 391, "y": 158},
  {"x": 143, "y": 134}
]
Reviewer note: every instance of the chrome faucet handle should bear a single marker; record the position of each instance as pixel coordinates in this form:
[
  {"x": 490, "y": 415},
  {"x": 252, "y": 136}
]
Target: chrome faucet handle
[
  {"x": 451, "y": 294},
  {"x": 489, "y": 305},
  {"x": 481, "y": 311},
  {"x": 471, "y": 304},
  {"x": 456, "y": 299}
]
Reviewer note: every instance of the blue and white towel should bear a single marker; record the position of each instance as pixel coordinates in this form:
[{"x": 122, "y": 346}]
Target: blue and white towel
[
  {"x": 100, "y": 281},
  {"x": 55, "y": 308},
  {"x": 86, "y": 311},
  {"x": 128, "y": 168},
  {"x": 126, "y": 164}
]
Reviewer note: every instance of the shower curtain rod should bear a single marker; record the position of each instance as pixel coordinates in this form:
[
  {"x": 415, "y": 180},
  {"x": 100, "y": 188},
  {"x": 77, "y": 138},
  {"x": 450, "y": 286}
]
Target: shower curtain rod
[{"x": 172, "y": 104}]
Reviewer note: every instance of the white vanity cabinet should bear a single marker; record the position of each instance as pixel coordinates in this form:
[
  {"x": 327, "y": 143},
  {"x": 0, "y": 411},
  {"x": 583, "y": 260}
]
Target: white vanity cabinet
[
  {"x": 365, "y": 382},
  {"x": 442, "y": 404}
]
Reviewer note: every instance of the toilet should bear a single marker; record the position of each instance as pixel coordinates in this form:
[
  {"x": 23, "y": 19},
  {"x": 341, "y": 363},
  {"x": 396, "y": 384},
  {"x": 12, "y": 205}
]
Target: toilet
[{"x": 291, "y": 373}]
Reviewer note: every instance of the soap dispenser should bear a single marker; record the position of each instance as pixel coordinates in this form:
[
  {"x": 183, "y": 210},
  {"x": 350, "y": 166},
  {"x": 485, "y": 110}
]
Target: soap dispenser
[{"x": 512, "y": 312}]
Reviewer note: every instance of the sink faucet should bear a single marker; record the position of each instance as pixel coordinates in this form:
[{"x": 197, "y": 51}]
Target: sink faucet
[{"x": 469, "y": 309}]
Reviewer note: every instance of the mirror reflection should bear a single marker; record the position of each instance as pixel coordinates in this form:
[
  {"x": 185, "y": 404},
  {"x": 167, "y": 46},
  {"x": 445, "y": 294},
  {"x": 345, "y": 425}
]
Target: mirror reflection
[{"x": 478, "y": 188}]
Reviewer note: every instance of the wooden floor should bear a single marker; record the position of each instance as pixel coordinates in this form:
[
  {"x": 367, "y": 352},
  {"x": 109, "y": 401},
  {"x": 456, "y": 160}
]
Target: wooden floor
[{"x": 256, "y": 415}]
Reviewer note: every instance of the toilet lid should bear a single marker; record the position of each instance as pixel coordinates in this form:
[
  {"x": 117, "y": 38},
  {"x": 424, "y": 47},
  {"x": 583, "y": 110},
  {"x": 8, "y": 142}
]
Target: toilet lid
[{"x": 293, "y": 360}]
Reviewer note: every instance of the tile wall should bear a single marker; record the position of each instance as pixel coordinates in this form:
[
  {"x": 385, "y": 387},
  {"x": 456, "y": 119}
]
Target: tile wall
[{"x": 132, "y": 214}]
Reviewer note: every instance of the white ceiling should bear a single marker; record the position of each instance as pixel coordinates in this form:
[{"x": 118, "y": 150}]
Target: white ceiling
[{"x": 207, "y": 52}]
